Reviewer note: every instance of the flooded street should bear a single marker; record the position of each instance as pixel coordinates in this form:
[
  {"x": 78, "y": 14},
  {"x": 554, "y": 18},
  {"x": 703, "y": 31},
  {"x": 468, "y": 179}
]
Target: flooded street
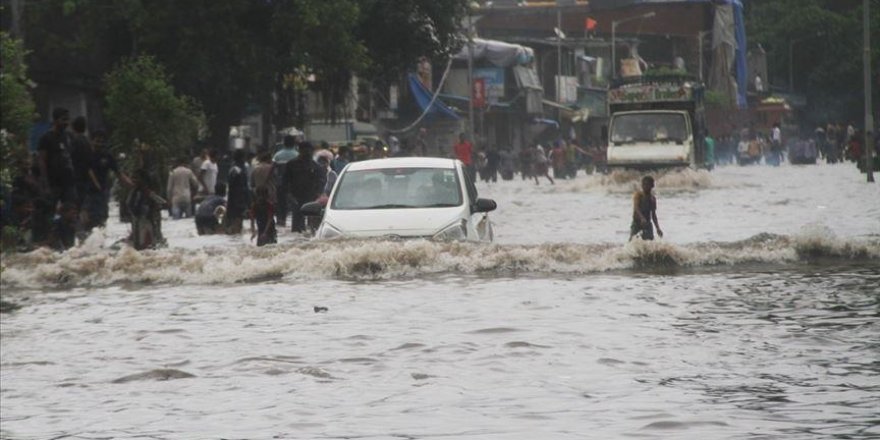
[{"x": 758, "y": 316}]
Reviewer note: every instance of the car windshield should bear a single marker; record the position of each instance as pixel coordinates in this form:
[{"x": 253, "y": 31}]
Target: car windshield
[
  {"x": 392, "y": 188},
  {"x": 648, "y": 127}
]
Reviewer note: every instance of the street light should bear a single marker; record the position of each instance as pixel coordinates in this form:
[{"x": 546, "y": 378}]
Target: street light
[{"x": 614, "y": 38}]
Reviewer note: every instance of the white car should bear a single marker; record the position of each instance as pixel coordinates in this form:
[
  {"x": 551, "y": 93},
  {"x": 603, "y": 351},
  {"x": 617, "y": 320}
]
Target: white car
[{"x": 404, "y": 198}]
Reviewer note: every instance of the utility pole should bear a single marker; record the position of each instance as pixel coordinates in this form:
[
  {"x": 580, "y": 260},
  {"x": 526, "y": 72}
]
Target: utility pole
[
  {"x": 559, "y": 63},
  {"x": 470, "y": 76},
  {"x": 869, "y": 114}
]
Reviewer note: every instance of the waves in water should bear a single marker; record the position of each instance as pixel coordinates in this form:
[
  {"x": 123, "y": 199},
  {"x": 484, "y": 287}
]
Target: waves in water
[
  {"x": 92, "y": 266},
  {"x": 626, "y": 181}
]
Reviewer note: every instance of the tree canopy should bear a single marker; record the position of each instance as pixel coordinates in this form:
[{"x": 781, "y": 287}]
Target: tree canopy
[
  {"x": 16, "y": 105},
  {"x": 826, "y": 52},
  {"x": 228, "y": 54},
  {"x": 146, "y": 112}
]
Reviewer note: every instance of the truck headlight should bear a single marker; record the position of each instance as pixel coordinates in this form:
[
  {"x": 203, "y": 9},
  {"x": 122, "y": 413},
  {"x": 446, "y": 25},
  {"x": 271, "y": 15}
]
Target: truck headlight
[
  {"x": 454, "y": 232},
  {"x": 327, "y": 231}
]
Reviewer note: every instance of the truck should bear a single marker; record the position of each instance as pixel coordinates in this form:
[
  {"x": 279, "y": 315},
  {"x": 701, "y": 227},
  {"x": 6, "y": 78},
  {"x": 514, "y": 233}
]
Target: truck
[{"x": 656, "y": 122}]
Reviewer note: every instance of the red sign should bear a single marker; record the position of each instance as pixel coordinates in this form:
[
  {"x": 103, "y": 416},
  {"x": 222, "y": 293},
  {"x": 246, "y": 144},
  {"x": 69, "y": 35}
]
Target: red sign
[{"x": 479, "y": 92}]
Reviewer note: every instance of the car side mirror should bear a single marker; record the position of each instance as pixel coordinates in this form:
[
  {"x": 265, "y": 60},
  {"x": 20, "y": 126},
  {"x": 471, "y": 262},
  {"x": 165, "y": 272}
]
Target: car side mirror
[
  {"x": 312, "y": 209},
  {"x": 484, "y": 205}
]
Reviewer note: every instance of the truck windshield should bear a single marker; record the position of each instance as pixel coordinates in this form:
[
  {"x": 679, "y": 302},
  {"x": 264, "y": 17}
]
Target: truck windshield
[{"x": 648, "y": 127}]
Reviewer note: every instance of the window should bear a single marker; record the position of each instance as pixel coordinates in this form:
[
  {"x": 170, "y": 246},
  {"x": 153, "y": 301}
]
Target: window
[{"x": 392, "y": 188}]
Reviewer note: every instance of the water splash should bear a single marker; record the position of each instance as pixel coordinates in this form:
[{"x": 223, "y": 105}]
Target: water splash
[{"x": 377, "y": 260}]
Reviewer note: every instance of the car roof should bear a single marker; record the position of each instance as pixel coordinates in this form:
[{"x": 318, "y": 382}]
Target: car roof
[{"x": 402, "y": 162}]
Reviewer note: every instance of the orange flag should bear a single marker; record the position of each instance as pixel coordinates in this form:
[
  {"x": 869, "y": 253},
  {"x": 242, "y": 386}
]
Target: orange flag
[{"x": 591, "y": 24}]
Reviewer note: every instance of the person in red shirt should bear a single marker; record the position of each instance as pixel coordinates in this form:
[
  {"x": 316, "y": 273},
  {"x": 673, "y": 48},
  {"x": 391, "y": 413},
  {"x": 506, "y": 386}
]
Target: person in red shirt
[{"x": 464, "y": 152}]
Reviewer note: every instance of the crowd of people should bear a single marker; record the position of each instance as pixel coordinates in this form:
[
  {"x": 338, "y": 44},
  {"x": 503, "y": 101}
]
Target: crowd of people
[
  {"x": 64, "y": 190},
  {"x": 833, "y": 143}
]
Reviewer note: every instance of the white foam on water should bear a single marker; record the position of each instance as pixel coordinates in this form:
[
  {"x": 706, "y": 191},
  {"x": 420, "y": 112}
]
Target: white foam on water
[
  {"x": 376, "y": 259},
  {"x": 626, "y": 181}
]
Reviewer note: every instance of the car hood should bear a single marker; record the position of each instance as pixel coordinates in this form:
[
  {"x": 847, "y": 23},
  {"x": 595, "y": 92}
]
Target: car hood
[{"x": 402, "y": 222}]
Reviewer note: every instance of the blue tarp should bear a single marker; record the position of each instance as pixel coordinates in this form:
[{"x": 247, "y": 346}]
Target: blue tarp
[{"x": 423, "y": 98}]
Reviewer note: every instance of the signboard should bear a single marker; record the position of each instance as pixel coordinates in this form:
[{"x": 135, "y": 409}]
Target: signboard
[
  {"x": 650, "y": 93},
  {"x": 493, "y": 77},
  {"x": 480, "y": 98},
  {"x": 566, "y": 89}
]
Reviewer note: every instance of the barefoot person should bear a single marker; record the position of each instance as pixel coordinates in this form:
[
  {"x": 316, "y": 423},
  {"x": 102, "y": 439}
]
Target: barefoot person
[{"x": 645, "y": 211}]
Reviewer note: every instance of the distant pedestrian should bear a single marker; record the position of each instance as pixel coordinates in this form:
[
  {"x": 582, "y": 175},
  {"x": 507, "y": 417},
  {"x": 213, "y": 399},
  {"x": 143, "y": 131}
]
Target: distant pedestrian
[
  {"x": 540, "y": 165},
  {"x": 96, "y": 203},
  {"x": 464, "y": 151},
  {"x": 207, "y": 174},
  {"x": 209, "y": 210},
  {"x": 558, "y": 159},
  {"x": 181, "y": 188},
  {"x": 330, "y": 176},
  {"x": 343, "y": 157},
  {"x": 56, "y": 174},
  {"x": 506, "y": 163},
  {"x": 710, "y": 151},
  {"x": 776, "y": 145},
  {"x": 282, "y": 157},
  {"x": 645, "y": 211},
  {"x": 304, "y": 181},
  {"x": 81, "y": 157},
  {"x": 237, "y": 194},
  {"x": 145, "y": 207},
  {"x": 263, "y": 176},
  {"x": 493, "y": 161},
  {"x": 262, "y": 217}
]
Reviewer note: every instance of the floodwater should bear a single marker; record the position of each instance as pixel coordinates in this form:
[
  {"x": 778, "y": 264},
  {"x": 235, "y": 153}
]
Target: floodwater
[{"x": 757, "y": 316}]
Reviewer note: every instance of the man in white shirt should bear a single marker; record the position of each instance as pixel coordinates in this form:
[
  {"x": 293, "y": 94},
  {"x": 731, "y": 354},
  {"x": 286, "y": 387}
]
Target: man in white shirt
[{"x": 208, "y": 174}]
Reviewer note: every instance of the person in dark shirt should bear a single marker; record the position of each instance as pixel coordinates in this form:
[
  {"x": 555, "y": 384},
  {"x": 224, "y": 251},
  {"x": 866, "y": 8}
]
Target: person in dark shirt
[
  {"x": 304, "y": 180},
  {"x": 97, "y": 198},
  {"x": 238, "y": 194},
  {"x": 209, "y": 209},
  {"x": 145, "y": 207},
  {"x": 56, "y": 175},
  {"x": 81, "y": 157},
  {"x": 262, "y": 214}
]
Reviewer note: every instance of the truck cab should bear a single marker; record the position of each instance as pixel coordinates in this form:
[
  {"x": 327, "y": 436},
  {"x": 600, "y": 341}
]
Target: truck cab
[
  {"x": 650, "y": 139},
  {"x": 656, "y": 123}
]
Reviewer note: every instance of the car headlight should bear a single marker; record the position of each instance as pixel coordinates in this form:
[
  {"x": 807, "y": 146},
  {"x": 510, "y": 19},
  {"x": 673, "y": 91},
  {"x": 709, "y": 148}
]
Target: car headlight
[
  {"x": 453, "y": 232},
  {"x": 327, "y": 231}
]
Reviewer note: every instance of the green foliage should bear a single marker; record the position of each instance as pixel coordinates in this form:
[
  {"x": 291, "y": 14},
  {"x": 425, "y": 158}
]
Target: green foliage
[
  {"x": 16, "y": 106},
  {"x": 826, "y": 51},
  {"x": 229, "y": 54},
  {"x": 149, "y": 120},
  {"x": 717, "y": 99},
  {"x": 664, "y": 71}
]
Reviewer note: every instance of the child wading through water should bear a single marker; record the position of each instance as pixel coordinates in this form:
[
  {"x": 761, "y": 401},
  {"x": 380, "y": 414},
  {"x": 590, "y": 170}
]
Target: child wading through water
[
  {"x": 645, "y": 211},
  {"x": 146, "y": 213},
  {"x": 263, "y": 214}
]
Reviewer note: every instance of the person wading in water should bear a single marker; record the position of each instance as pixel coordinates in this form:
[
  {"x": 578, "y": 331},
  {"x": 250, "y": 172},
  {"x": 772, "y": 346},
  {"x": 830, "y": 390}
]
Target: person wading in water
[{"x": 645, "y": 211}]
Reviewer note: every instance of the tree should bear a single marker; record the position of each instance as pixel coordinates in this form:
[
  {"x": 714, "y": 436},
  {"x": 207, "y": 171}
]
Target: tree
[
  {"x": 229, "y": 54},
  {"x": 16, "y": 106},
  {"x": 827, "y": 50},
  {"x": 145, "y": 113}
]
